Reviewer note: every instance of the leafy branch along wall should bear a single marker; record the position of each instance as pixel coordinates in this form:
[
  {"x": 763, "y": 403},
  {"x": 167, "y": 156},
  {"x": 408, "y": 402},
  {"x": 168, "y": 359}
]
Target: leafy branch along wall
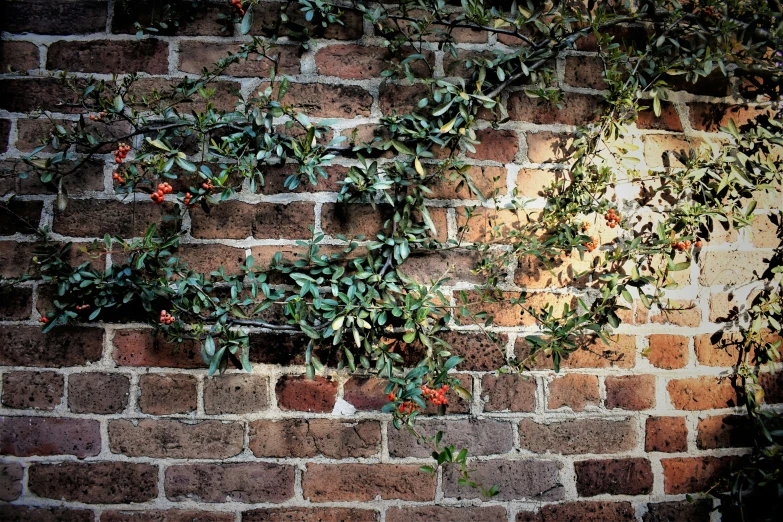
[{"x": 105, "y": 421}]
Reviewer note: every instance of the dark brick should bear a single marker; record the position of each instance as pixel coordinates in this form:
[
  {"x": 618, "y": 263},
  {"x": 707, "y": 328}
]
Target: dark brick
[
  {"x": 613, "y": 477},
  {"x": 98, "y": 392},
  {"x": 18, "y": 56},
  {"x": 29, "y": 94},
  {"x": 172, "y": 439},
  {"x": 65, "y": 17},
  {"x": 18, "y": 216},
  {"x": 682, "y": 511},
  {"x": 243, "y": 482},
  {"x": 28, "y": 436},
  {"x": 97, "y": 483},
  {"x": 17, "y": 513},
  {"x": 165, "y": 516},
  {"x": 316, "y": 514},
  {"x": 10, "y": 481},
  {"x": 16, "y": 303},
  {"x": 148, "y": 55},
  {"x": 91, "y": 218},
  {"x": 27, "y": 346},
  {"x": 5, "y": 129},
  {"x": 483, "y": 437},
  {"x": 587, "y": 512},
  {"x": 508, "y": 392},
  {"x": 516, "y": 480},
  {"x": 630, "y": 392},
  {"x": 300, "y": 438},
  {"x": 140, "y": 348},
  {"x": 446, "y": 514},
  {"x": 578, "y": 436},
  {"x": 164, "y": 394},
  {"x": 40, "y": 390},
  {"x": 266, "y": 19},
  {"x": 203, "y": 21}
]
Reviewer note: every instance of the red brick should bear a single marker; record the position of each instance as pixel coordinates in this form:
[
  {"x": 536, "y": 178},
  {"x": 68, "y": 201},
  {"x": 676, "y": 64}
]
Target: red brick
[
  {"x": 328, "y": 101},
  {"x": 680, "y": 313},
  {"x": 668, "y": 434},
  {"x": 235, "y": 393},
  {"x": 88, "y": 177},
  {"x": 683, "y": 511},
  {"x": 18, "y": 56},
  {"x": 578, "y": 436},
  {"x": 584, "y": 71},
  {"x": 302, "y": 394},
  {"x": 772, "y": 383},
  {"x": 140, "y": 348},
  {"x": 711, "y": 117},
  {"x": 516, "y": 479},
  {"x": 98, "y": 392},
  {"x": 630, "y": 392},
  {"x": 549, "y": 147},
  {"x": 718, "y": 349},
  {"x": 204, "y": 21},
  {"x": 164, "y": 394},
  {"x": 194, "y": 56},
  {"x": 19, "y": 513},
  {"x": 496, "y": 145},
  {"x": 236, "y": 220},
  {"x": 27, "y": 346},
  {"x": 585, "y": 512},
  {"x": 94, "y": 218},
  {"x": 508, "y": 392},
  {"x": 173, "y": 439},
  {"x": 693, "y": 474},
  {"x": 19, "y": 217},
  {"x": 301, "y": 438},
  {"x": 668, "y": 351},
  {"x": 266, "y": 20},
  {"x": 365, "y": 393},
  {"x": 358, "y": 62},
  {"x": 431, "y": 265},
  {"x": 63, "y": 17},
  {"x": 668, "y": 120},
  {"x": 166, "y": 516},
  {"x": 446, "y": 514},
  {"x": 224, "y": 96},
  {"x": 365, "y": 482},
  {"x": 402, "y": 99},
  {"x": 243, "y": 482},
  {"x": 149, "y": 55},
  {"x": 28, "y": 94},
  {"x": 592, "y": 352},
  {"x": 485, "y": 179},
  {"x": 363, "y": 219},
  {"x": 96, "y": 483},
  {"x": 483, "y": 437},
  {"x": 702, "y": 393},
  {"x": 724, "y": 431},
  {"x": 27, "y": 436},
  {"x": 613, "y": 477},
  {"x": 577, "y": 109},
  {"x": 10, "y": 481},
  {"x": 315, "y": 514},
  {"x": 575, "y": 391}
]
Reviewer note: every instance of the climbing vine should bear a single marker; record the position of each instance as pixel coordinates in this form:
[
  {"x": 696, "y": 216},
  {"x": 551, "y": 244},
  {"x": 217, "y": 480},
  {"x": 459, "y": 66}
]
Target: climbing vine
[{"x": 357, "y": 305}]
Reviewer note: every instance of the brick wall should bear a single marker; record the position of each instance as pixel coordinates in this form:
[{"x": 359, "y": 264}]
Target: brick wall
[{"x": 103, "y": 422}]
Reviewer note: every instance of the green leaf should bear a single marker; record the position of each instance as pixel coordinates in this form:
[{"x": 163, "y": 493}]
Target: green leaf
[{"x": 247, "y": 21}]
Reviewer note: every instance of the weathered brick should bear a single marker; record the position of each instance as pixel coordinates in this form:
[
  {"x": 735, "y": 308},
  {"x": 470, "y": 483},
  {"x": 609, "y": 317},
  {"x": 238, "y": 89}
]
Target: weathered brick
[
  {"x": 165, "y": 516},
  {"x": 223, "y": 95},
  {"x": 329, "y": 101},
  {"x": 364, "y": 482},
  {"x": 667, "y": 434},
  {"x": 267, "y": 19},
  {"x": 27, "y": 436},
  {"x": 359, "y": 62},
  {"x": 664, "y": 150},
  {"x": 242, "y": 482},
  {"x": 592, "y": 352},
  {"x": 578, "y": 436},
  {"x": 18, "y": 216},
  {"x": 505, "y": 314},
  {"x": 483, "y": 437},
  {"x": 353, "y": 220},
  {"x": 10, "y": 481},
  {"x": 15, "y": 258},
  {"x": 27, "y": 346},
  {"x": 209, "y": 258},
  {"x": 724, "y": 431},
  {"x": 772, "y": 383},
  {"x": 300, "y": 393},
  {"x": 584, "y": 71},
  {"x": 575, "y": 391},
  {"x": 516, "y": 480},
  {"x": 194, "y": 56},
  {"x": 680, "y": 313},
  {"x": 495, "y": 145},
  {"x": 549, "y": 147},
  {"x": 94, "y": 218},
  {"x": 682, "y": 511},
  {"x": 446, "y": 514},
  {"x": 668, "y": 351},
  {"x": 61, "y": 17},
  {"x": 630, "y": 392},
  {"x": 28, "y": 94},
  {"x": 314, "y": 514},
  {"x": 5, "y": 131},
  {"x": 95, "y": 483},
  {"x": 583, "y": 512},
  {"x": 203, "y": 21},
  {"x": 148, "y": 55},
  {"x": 532, "y": 183},
  {"x": 236, "y": 220},
  {"x": 702, "y": 393},
  {"x": 172, "y": 439},
  {"x": 613, "y": 477},
  {"x": 140, "y": 348},
  {"x": 16, "y": 303},
  {"x": 98, "y": 392},
  {"x": 164, "y": 394},
  {"x": 711, "y": 117},
  {"x": 235, "y": 393},
  {"x": 18, "y": 56},
  {"x": 693, "y": 474},
  {"x": 19, "y": 513},
  {"x": 277, "y": 348},
  {"x": 457, "y": 265},
  {"x": 402, "y": 99},
  {"x": 668, "y": 120},
  {"x": 486, "y": 179},
  {"x": 577, "y": 109},
  {"x": 508, "y": 392},
  {"x": 766, "y": 230},
  {"x": 302, "y": 438}
]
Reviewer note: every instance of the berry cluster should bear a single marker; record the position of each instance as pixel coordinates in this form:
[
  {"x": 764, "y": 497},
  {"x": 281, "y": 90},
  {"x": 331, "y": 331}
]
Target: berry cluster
[
  {"x": 685, "y": 245},
  {"x": 612, "y": 218},
  {"x": 122, "y": 152},
  {"x": 119, "y": 179},
  {"x": 436, "y": 397},
  {"x": 166, "y": 318},
  {"x": 592, "y": 245},
  {"x": 99, "y": 117},
  {"x": 43, "y": 320},
  {"x": 187, "y": 198},
  {"x": 407, "y": 407},
  {"x": 207, "y": 185},
  {"x": 710, "y": 12},
  {"x": 238, "y": 5},
  {"x": 163, "y": 189},
  {"x": 79, "y": 308}
]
